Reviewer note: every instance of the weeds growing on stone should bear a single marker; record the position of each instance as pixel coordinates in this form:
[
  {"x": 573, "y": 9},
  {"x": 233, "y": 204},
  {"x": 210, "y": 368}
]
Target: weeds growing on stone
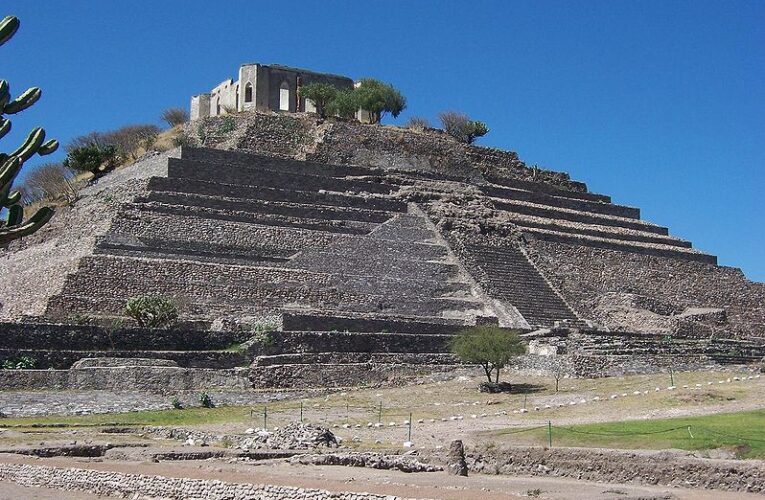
[
  {"x": 20, "y": 363},
  {"x": 206, "y": 401}
]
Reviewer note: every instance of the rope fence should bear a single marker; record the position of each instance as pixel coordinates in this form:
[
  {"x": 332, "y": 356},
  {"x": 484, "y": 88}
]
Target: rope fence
[{"x": 375, "y": 416}]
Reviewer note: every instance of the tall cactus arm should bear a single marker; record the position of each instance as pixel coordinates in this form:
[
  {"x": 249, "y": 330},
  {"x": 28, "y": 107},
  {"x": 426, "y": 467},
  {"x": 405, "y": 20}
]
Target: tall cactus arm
[
  {"x": 8, "y": 27},
  {"x": 12, "y": 199},
  {"x": 8, "y": 171},
  {"x": 5, "y": 93},
  {"x": 30, "y": 146},
  {"x": 5, "y": 126},
  {"x": 48, "y": 147},
  {"x": 38, "y": 220},
  {"x": 15, "y": 215},
  {"x": 22, "y": 102}
]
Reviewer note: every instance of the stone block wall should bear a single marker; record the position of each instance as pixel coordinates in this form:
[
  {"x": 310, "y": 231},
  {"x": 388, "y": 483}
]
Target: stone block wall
[
  {"x": 284, "y": 342},
  {"x": 75, "y": 337},
  {"x": 110, "y": 483},
  {"x": 614, "y": 466},
  {"x": 308, "y": 376},
  {"x": 64, "y": 359},
  {"x": 585, "y": 274},
  {"x": 150, "y": 379},
  {"x": 307, "y": 322}
]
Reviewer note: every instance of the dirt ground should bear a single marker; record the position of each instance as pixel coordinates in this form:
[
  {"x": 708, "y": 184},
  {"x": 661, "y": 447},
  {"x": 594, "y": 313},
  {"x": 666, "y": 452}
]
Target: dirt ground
[
  {"x": 421, "y": 485},
  {"x": 454, "y": 409},
  {"x": 440, "y": 411}
]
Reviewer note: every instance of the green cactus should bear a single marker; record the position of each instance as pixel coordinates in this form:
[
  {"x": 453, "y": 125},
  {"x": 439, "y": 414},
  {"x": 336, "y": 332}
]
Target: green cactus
[{"x": 14, "y": 226}]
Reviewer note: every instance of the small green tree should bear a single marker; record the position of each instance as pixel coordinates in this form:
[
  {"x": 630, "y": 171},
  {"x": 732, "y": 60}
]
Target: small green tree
[
  {"x": 98, "y": 160},
  {"x": 152, "y": 312},
  {"x": 345, "y": 104},
  {"x": 15, "y": 226},
  {"x": 489, "y": 346},
  {"x": 461, "y": 127},
  {"x": 377, "y": 98},
  {"x": 321, "y": 94}
]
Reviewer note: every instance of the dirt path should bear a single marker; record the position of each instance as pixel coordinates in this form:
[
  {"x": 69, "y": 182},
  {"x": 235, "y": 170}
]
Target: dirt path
[
  {"x": 423, "y": 485},
  {"x": 12, "y": 491}
]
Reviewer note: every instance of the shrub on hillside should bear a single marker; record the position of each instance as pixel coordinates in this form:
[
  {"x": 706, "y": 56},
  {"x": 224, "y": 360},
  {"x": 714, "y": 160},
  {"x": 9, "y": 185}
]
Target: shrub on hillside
[
  {"x": 152, "y": 312},
  {"x": 131, "y": 139},
  {"x": 489, "y": 346},
  {"x": 95, "y": 159},
  {"x": 97, "y": 139},
  {"x": 175, "y": 116},
  {"x": 417, "y": 123},
  {"x": 49, "y": 181},
  {"x": 461, "y": 127},
  {"x": 127, "y": 141},
  {"x": 183, "y": 139}
]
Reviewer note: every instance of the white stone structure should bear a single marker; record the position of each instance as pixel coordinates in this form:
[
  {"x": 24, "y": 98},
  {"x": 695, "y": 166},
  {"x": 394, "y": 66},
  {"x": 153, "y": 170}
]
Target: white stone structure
[{"x": 263, "y": 87}]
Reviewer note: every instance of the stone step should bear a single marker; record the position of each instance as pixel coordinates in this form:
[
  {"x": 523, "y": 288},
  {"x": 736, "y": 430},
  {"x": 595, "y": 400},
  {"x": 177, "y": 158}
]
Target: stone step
[
  {"x": 289, "y": 194},
  {"x": 343, "y": 287},
  {"x": 159, "y": 226},
  {"x": 255, "y": 161},
  {"x": 267, "y": 239},
  {"x": 148, "y": 247},
  {"x": 342, "y": 226},
  {"x": 541, "y": 187},
  {"x": 289, "y": 209},
  {"x": 436, "y": 274},
  {"x": 549, "y": 212},
  {"x": 509, "y": 277},
  {"x": 598, "y": 207},
  {"x": 188, "y": 250},
  {"x": 433, "y": 274},
  {"x": 232, "y": 174},
  {"x": 374, "y": 265},
  {"x": 266, "y": 302},
  {"x": 613, "y": 232},
  {"x": 656, "y": 249}
]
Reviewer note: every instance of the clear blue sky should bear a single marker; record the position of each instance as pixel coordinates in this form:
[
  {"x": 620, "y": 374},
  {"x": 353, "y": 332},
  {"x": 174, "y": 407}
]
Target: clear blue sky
[{"x": 660, "y": 104}]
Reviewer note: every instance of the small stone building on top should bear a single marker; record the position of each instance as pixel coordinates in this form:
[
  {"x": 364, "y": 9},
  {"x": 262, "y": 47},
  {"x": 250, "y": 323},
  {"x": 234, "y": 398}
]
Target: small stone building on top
[{"x": 263, "y": 87}]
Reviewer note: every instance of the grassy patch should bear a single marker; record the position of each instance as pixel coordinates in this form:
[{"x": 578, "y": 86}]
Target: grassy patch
[
  {"x": 189, "y": 416},
  {"x": 236, "y": 348},
  {"x": 742, "y": 433}
]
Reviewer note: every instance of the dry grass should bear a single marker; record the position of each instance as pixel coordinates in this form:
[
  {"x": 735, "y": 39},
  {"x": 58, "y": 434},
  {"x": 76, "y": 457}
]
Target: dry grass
[
  {"x": 165, "y": 140},
  {"x": 349, "y": 413}
]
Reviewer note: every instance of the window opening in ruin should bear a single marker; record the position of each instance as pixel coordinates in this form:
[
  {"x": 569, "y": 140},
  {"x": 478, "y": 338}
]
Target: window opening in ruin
[
  {"x": 284, "y": 97},
  {"x": 248, "y": 92}
]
